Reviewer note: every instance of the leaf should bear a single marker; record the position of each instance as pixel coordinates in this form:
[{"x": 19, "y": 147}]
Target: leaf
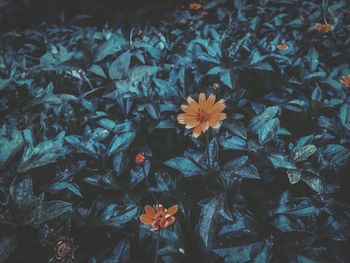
[
  {"x": 107, "y": 181},
  {"x": 226, "y": 78},
  {"x": 183, "y": 165},
  {"x": 207, "y": 219},
  {"x": 317, "y": 94},
  {"x": 116, "y": 215},
  {"x": 21, "y": 192},
  {"x": 121, "y": 252},
  {"x": 119, "y": 68},
  {"x": 210, "y": 156},
  {"x": 314, "y": 182},
  {"x": 335, "y": 155},
  {"x": 120, "y": 142},
  {"x": 299, "y": 154},
  {"x": 63, "y": 186},
  {"x": 8, "y": 244},
  {"x": 315, "y": 75},
  {"x": 165, "y": 184},
  {"x": 47, "y": 152},
  {"x": 11, "y": 143},
  {"x": 238, "y": 167},
  {"x": 268, "y": 130},
  {"x": 4, "y": 83},
  {"x": 139, "y": 172},
  {"x": 110, "y": 47},
  {"x": 120, "y": 162},
  {"x": 294, "y": 175},
  {"x": 233, "y": 143},
  {"x": 259, "y": 120},
  {"x": 47, "y": 211},
  {"x": 279, "y": 160},
  {"x": 240, "y": 254},
  {"x": 138, "y": 73},
  {"x": 344, "y": 115},
  {"x": 110, "y": 125},
  {"x": 82, "y": 145},
  {"x": 97, "y": 70}
]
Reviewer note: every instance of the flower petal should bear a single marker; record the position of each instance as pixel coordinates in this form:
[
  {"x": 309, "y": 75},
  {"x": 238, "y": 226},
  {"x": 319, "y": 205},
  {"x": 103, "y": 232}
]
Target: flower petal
[
  {"x": 145, "y": 219},
  {"x": 214, "y": 124},
  {"x": 172, "y": 210},
  {"x": 150, "y": 212},
  {"x": 190, "y": 110},
  {"x": 197, "y": 131},
  {"x": 202, "y": 101},
  {"x": 218, "y": 107},
  {"x": 211, "y": 100},
  {"x": 192, "y": 102}
]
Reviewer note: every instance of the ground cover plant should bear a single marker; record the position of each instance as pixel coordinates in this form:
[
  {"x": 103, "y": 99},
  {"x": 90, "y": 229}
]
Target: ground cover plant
[{"x": 175, "y": 131}]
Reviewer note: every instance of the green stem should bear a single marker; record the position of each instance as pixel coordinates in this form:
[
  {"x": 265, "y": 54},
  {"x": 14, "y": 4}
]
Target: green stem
[
  {"x": 148, "y": 184},
  {"x": 157, "y": 248}
]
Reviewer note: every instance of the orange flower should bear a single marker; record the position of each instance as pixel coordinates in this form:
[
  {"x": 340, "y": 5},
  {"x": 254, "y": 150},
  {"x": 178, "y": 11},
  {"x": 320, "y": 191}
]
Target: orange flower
[
  {"x": 140, "y": 158},
  {"x": 323, "y": 28},
  {"x": 282, "y": 46},
  {"x": 202, "y": 114},
  {"x": 345, "y": 80},
  {"x": 194, "y": 6},
  {"x": 159, "y": 216}
]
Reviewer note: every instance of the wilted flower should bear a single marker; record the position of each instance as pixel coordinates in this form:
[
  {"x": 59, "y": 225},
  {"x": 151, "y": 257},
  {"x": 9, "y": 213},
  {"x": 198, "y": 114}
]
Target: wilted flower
[
  {"x": 345, "y": 80},
  {"x": 194, "y": 6},
  {"x": 202, "y": 114},
  {"x": 63, "y": 251},
  {"x": 159, "y": 217},
  {"x": 323, "y": 28},
  {"x": 140, "y": 158},
  {"x": 282, "y": 46}
]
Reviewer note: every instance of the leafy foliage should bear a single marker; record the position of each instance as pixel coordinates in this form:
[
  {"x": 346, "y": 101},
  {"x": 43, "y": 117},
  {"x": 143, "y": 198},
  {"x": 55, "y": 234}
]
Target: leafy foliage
[{"x": 79, "y": 102}]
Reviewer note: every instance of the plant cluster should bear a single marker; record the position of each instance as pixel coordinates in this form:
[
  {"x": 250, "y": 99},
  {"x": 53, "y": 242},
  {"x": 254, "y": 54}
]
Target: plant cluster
[{"x": 234, "y": 114}]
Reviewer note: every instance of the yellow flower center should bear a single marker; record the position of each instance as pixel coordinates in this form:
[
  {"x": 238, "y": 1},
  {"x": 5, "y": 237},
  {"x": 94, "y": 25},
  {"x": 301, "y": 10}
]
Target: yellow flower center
[{"x": 202, "y": 115}]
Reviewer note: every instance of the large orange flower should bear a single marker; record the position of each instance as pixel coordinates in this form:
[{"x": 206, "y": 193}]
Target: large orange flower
[
  {"x": 202, "y": 114},
  {"x": 159, "y": 217},
  {"x": 345, "y": 80},
  {"x": 323, "y": 28}
]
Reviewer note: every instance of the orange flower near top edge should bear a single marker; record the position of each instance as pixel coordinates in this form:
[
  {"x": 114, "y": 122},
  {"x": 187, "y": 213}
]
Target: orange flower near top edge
[
  {"x": 194, "y": 6},
  {"x": 140, "y": 158},
  {"x": 345, "y": 80},
  {"x": 202, "y": 114},
  {"x": 324, "y": 28},
  {"x": 282, "y": 46},
  {"x": 159, "y": 217}
]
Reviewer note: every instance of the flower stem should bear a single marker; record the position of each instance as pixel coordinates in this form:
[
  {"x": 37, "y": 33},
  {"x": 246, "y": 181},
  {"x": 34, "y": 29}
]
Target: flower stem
[
  {"x": 148, "y": 184},
  {"x": 157, "y": 248},
  {"x": 207, "y": 137}
]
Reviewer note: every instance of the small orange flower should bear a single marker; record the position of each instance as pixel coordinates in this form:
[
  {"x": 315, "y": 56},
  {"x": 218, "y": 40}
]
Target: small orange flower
[
  {"x": 324, "y": 28},
  {"x": 282, "y": 46},
  {"x": 194, "y": 6},
  {"x": 216, "y": 85},
  {"x": 345, "y": 80},
  {"x": 140, "y": 158},
  {"x": 202, "y": 114},
  {"x": 159, "y": 217}
]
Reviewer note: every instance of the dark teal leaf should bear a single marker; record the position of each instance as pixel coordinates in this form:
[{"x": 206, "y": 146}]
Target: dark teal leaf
[
  {"x": 268, "y": 130},
  {"x": 183, "y": 165},
  {"x": 299, "y": 154},
  {"x": 120, "y": 142},
  {"x": 279, "y": 160}
]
